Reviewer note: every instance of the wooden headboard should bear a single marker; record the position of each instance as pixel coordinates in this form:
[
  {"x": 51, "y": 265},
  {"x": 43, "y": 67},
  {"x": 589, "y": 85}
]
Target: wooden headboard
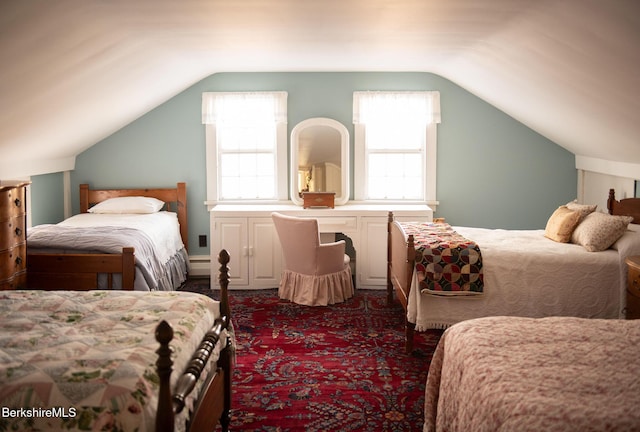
[
  {"x": 175, "y": 199},
  {"x": 624, "y": 207}
]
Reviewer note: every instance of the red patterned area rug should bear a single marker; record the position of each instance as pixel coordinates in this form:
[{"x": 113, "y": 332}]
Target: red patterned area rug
[{"x": 336, "y": 368}]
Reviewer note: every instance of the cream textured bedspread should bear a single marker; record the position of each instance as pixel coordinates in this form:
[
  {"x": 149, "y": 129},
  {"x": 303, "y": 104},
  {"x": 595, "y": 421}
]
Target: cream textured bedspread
[
  {"x": 523, "y": 374},
  {"x": 528, "y": 275}
]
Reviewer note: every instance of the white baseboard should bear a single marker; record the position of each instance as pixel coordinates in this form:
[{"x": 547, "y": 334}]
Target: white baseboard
[{"x": 200, "y": 265}]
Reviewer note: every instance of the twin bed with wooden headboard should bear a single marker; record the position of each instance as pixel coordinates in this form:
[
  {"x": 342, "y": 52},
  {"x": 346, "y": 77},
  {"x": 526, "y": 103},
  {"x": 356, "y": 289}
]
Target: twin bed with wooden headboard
[
  {"x": 122, "y": 239},
  {"x": 524, "y": 273}
]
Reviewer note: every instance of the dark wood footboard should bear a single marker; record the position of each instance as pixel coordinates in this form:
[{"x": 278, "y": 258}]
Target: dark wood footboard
[
  {"x": 401, "y": 255},
  {"x": 214, "y": 402},
  {"x": 79, "y": 271}
]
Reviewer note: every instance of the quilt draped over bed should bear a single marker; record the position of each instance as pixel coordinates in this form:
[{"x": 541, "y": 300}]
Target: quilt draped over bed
[
  {"x": 447, "y": 263},
  {"x": 93, "y": 354}
]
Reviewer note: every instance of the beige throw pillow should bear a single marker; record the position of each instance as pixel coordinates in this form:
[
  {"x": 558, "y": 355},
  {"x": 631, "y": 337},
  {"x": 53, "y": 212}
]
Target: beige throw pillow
[
  {"x": 561, "y": 224},
  {"x": 598, "y": 231},
  {"x": 583, "y": 209}
]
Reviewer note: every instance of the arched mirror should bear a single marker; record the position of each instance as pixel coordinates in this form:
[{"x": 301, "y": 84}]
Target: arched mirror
[{"x": 320, "y": 159}]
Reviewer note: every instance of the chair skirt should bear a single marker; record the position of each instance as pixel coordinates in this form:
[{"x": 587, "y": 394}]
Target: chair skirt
[{"x": 316, "y": 290}]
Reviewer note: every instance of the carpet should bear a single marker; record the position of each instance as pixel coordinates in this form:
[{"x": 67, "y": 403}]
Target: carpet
[{"x": 340, "y": 367}]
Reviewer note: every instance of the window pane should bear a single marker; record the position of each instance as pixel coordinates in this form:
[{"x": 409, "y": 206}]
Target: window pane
[
  {"x": 390, "y": 136},
  {"x": 247, "y": 176},
  {"x": 261, "y": 137},
  {"x": 395, "y": 176}
]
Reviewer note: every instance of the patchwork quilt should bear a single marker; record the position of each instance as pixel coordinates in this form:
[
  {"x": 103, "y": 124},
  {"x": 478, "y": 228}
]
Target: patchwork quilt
[
  {"x": 446, "y": 262},
  {"x": 86, "y": 360}
]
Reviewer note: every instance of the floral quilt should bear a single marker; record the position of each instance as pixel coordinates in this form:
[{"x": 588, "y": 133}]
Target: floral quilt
[
  {"x": 86, "y": 360},
  {"x": 446, "y": 262}
]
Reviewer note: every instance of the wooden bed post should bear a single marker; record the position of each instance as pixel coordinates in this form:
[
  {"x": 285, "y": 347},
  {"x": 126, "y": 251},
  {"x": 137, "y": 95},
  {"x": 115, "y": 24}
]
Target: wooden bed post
[
  {"x": 181, "y": 210},
  {"x": 389, "y": 283},
  {"x": 164, "y": 417},
  {"x": 411, "y": 262},
  {"x": 128, "y": 268},
  {"x": 227, "y": 355},
  {"x": 211, "y": 407},
  {"x": 223, "y": 278},
  {"x": 611, "y": 200},
  {"x": 84, "y": 198}
]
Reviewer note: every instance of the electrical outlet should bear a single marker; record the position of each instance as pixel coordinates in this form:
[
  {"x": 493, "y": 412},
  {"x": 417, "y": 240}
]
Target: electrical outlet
[{"x": 202, "y": 239}]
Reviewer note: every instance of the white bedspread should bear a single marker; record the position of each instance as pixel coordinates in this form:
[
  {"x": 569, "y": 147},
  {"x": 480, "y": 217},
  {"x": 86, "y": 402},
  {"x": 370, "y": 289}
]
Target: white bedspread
[
  {"x": 161, "y": 227},
  {"x": 528, "y": 275}
]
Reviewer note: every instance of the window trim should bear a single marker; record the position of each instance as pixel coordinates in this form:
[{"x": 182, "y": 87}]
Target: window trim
[
  {"x": 280, "y": 154},
  {"x": 430, "y": 155}
]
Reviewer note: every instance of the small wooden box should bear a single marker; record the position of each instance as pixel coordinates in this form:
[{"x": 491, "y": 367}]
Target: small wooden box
[{"x": 318, "y": 199}]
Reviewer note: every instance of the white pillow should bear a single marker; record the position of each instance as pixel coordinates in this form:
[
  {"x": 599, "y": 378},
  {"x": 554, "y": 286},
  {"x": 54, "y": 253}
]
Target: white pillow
[{"x": 134, "y": 204}]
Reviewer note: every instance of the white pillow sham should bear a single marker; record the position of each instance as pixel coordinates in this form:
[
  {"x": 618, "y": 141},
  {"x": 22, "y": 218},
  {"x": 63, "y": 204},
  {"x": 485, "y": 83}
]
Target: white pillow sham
[{"x": 128, "y": 205}]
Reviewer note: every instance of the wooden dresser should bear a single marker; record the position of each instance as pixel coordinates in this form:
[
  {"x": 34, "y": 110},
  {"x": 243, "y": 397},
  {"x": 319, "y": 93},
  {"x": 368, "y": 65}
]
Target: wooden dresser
[{"x": 13, "y": 235}]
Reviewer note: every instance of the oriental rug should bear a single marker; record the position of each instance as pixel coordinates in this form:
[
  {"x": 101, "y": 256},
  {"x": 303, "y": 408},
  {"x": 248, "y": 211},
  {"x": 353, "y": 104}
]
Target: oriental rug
[{"x": 335, "y": 368}]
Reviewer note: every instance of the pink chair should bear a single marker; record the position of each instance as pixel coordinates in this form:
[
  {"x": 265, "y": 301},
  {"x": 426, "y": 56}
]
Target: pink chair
[{"x": 315, "y": 274}]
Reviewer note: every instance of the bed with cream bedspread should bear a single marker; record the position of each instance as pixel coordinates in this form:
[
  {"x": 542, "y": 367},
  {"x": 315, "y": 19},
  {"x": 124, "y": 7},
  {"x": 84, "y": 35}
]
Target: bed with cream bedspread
[{"x": 528, "y": 275}]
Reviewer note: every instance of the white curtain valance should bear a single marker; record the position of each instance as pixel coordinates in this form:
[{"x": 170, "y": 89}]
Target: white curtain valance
[
  {"x": 398, "y": 107},
  {"x": 245, "y": 108}
]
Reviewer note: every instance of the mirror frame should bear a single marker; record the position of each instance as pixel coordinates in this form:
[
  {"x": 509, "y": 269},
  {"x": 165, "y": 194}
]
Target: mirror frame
[{"x": 344, "y": 155}]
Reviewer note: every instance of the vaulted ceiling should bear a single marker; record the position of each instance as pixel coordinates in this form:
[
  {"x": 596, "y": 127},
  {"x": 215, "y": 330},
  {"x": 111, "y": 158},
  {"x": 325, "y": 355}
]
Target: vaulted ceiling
[{"x": 74, "y": 71}]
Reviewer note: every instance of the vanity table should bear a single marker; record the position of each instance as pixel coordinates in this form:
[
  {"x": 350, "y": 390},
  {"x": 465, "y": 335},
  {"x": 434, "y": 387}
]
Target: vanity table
[
  {"x": 319, "y": 166},
  {"x": 248, "y": 234}
]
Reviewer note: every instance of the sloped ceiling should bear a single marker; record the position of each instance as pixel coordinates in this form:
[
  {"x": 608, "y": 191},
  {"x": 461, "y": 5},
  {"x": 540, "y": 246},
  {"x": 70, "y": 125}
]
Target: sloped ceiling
[{"x": 73, "y": 72}]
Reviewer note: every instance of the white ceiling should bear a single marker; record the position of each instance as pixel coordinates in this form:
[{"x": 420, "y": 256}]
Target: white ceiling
[{"x": 75, "y": 71}]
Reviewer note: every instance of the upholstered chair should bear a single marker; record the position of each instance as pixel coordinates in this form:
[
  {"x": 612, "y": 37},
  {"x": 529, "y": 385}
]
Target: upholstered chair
[{"x": 314, "y": 274}]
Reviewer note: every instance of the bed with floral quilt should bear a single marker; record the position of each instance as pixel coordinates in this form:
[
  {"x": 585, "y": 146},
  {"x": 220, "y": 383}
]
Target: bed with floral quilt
[{"x": 87, "y": 360}]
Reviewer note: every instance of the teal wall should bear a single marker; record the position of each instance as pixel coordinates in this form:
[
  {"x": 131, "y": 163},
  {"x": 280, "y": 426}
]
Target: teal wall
[
  {"x": 492, "y": 170},
  {"x": 47, "y": 199}
]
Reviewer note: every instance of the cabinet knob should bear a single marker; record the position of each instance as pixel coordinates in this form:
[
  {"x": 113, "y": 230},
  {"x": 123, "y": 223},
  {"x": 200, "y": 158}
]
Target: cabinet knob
[
  {"x": 17, "y": 202},
  {"x": 18, "y": 260},
  {"x": 18, "y": 232}
]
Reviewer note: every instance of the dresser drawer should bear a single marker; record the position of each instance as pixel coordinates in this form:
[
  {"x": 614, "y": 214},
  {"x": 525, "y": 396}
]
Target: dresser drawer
[
  {"x": 337, "y": 224},
  {"x": 12, "y": 232},
  {"x": 17, "y": 282},
  {"x": 12, "y": 203},
  {"x": 13, "y": 261}
]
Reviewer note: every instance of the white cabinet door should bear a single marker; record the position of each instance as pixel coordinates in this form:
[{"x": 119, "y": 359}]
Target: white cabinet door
[
  {"x": 371, "y": 264},
  {"x": 231, "y": 234},
  {"x": 256, "y": 254},
  {"x": 265, "y": 254}
]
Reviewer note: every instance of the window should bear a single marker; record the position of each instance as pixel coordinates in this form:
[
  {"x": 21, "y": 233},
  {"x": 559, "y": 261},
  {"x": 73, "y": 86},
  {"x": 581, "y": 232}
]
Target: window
[
  {"x": 246, "y": 133},
  {"x": 395, "y": 145}
]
